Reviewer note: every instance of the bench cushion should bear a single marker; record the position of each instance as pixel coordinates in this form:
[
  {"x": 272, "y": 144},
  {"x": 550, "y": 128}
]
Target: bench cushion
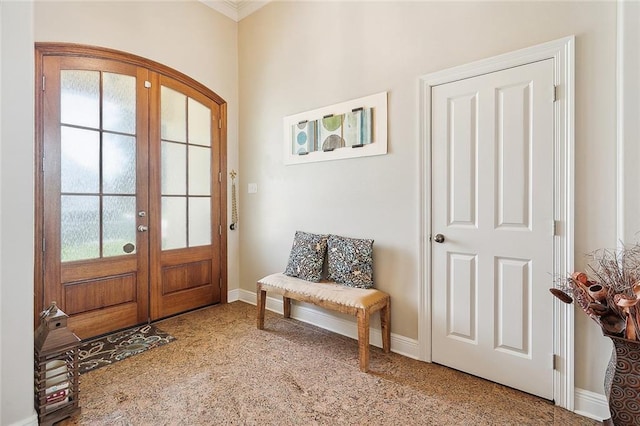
[{"x": 348, "y": 296}]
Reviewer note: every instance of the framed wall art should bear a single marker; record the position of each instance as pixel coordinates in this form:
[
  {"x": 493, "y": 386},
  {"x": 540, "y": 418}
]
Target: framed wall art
[{"x": 356, "y": 128}]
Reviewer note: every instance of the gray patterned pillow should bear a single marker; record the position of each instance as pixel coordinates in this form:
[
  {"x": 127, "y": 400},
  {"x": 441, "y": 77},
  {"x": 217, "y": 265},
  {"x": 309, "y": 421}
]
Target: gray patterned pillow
[
  {"x": 307, "y": 256},
  {"x": 350, "y": 261}
]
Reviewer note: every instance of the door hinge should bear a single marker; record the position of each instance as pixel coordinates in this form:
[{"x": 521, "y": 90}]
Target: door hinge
[
  {"x": 43, "y": 80},
  {"x": 553, "y": 361},
  {"x": 147, "y": 84},
  {"x": 220, "y": 229},
  {"x": 220, "y": 123},
  {"x": 43, "y": 244},
  {"x": 219, "y": 176},
  {"x": 554, "y": 228},
  {"x": 43, "y": 163},
  {"x": 555, "y": 93},
  {"x": 220, "y": 282}
]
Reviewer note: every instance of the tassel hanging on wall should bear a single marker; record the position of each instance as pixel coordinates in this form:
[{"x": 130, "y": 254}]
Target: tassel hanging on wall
[{"x": 234, "y": 203}]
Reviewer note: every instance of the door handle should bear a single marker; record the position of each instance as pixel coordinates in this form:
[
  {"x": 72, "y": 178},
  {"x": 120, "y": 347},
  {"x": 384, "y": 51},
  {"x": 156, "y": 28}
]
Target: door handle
[
  {"x": 439, "y": 238},
  {"x": 143, "y": 228}
]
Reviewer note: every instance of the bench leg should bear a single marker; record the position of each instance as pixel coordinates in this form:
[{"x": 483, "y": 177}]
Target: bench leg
[
  {"x": 363, "y": 339},
  {"x": 286, "y": 307},
  {"x": 262, "y": 301},
  {"x": 385, "y": 326}
]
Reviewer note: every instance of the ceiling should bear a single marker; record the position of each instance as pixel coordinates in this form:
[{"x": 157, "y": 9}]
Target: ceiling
[{"x": 235, "y": 9}]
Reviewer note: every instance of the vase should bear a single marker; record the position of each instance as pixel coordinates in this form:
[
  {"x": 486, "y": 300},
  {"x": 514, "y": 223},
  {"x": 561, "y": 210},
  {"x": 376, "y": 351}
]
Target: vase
[{"x": 622, "y": 382}]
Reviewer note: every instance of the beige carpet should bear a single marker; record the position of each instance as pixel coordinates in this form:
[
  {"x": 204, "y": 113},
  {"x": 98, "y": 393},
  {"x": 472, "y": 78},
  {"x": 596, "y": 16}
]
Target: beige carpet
[{"x": 221, "y": 370}]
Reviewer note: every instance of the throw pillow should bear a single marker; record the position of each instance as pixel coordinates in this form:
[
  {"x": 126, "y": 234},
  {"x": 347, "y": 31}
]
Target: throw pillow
[
  {"x": 307, "y": 256},
  {"x": 350, "y": 261}
]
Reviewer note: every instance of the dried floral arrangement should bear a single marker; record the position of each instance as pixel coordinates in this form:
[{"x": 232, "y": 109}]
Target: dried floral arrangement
[{"x": 609, "y": 292}]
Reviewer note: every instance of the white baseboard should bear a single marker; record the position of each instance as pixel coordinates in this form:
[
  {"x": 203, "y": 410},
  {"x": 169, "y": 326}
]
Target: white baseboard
[
  {"x": 29, "y": 421},
  {"x": 587, "y": 403},
  {"x": 591, "y": 404},
  {"x": 233, "y": 295},
  {"x": 325, "y": 319}
]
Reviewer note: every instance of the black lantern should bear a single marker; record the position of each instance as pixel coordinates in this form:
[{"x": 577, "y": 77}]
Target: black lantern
[{"x": 55, "y": 367}]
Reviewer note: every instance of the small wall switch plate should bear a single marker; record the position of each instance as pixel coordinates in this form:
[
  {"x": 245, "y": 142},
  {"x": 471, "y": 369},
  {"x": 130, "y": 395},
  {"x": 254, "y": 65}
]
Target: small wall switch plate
[{"x": 252, "y": 188}]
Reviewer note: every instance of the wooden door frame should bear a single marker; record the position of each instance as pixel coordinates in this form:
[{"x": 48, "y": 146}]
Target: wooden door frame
[
  {"x": 562, "y": 53},
  {"x": 43, "y": 49}
]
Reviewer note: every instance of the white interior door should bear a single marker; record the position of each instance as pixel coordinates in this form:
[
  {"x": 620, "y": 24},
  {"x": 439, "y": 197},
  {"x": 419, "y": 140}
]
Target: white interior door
[{"x": 492, "y": 165}]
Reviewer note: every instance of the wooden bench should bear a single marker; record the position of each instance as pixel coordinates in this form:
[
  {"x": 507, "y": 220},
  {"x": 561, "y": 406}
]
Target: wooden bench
[{"x": 355, "y": 301}]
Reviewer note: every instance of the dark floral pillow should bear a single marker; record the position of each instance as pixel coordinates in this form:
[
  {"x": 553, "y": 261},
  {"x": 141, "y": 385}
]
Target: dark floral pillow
[
  {"x": 350, "y": 261},
  {"x": 307, "y": 256}
]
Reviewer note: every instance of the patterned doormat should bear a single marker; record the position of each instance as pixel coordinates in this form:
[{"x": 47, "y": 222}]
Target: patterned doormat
[{"x": 115, "y": 347}]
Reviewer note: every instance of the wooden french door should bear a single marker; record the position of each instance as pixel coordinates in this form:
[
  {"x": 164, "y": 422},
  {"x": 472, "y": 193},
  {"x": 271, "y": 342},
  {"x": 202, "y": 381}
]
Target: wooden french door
[
  {"x": 130, "y": 194},
  {"x": 186, "y": 271}
]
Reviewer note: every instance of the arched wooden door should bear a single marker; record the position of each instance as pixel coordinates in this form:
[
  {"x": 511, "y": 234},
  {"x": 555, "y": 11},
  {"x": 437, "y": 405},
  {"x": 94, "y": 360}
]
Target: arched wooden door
[{"x": 130, "y": 200}]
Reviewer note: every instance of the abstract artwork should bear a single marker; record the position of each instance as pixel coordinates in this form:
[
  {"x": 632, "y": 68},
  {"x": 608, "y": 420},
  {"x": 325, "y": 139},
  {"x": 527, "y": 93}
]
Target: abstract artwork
[
  {"x": 331, "y": 132},
  {"x": 304, "y": 137},
  {"x": 357, "y": 127},
  {"x": 352, "y": 129}
]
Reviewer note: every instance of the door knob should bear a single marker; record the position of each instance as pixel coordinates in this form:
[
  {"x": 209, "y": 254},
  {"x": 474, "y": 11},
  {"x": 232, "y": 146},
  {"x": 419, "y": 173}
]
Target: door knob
[
  {"x": 143, "y": 228},
  {"x": 439, "y": 238}
]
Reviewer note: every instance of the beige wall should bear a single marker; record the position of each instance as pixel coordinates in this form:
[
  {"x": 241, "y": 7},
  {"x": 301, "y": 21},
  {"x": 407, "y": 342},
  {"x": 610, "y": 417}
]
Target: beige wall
[
  {"x": 16, "y": 214},
  {"x": 297, "y": 56}
]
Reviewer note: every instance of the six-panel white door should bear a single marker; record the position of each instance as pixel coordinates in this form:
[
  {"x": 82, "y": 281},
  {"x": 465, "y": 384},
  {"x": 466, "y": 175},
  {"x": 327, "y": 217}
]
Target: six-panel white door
[{"x": 492, "y": 165}]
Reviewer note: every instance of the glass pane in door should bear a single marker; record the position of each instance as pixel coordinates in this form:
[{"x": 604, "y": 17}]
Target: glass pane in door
[
  {"x": 185, "y": 171},
  {"x": 97, "y": 164},
  {"x": 80, "y": 160},
  {"x": 119, "y": 103},
  {"x": 79, "y": 227},
  {"x": 174, "y": 222},
  {"x": 199, "y": 170},
  {"x": 173, "y": 175},
  {"x": 118, "y": 164},
  {"x": 199, "y": 221},
  {"x": 173, "y": 110},
  {"x": 199, "y": 123},
  {"x": 80, "y": 98},
  {"x": 118, "y": 225}
]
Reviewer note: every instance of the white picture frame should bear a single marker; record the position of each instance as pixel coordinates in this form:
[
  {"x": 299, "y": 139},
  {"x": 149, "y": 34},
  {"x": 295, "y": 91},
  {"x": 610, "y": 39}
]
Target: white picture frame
[{"x": 377, "y": 145}]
